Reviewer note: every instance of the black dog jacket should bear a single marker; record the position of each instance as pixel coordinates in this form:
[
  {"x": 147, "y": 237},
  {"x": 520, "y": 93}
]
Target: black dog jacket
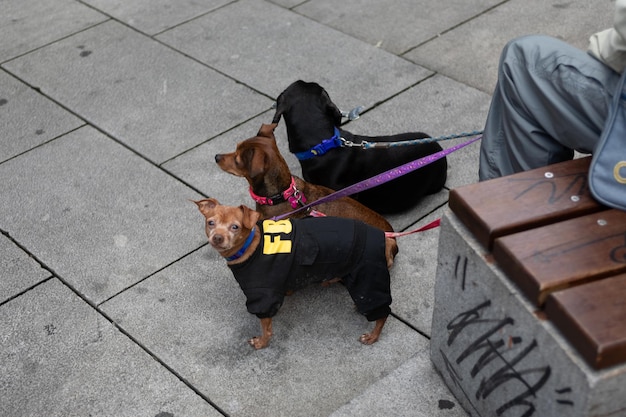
[{"x": 296, "y": 252}]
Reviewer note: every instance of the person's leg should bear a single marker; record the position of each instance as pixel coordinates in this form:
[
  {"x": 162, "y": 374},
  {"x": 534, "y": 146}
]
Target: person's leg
[{"x": 551, "y": 98}]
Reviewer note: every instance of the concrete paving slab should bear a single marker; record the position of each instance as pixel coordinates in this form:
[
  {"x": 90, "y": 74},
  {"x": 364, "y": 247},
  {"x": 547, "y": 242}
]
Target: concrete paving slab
[
  {"x": 313, "y": 365},
  {"x": 414, "y": 382},
  {"x": 153, "y": 99},
  {"x": 405, "y": 221},
  {"x": 470, "y": 53},
  {"x": 154, "y": 16},
  {"x": 98, "y": 215},
  {"x": 18, "y": 270},
  {"x": 413, "y": 275},
  {"x": 465, "y": 162},
  {"x": 59, "y": 357},
  {"x": 198, "y": 168},
  {"x": 281, "y": 46},
  {"x": 45, "y": 120},
  {"x": 410, "y": 24},
  {"x": 29, "y": 24}
]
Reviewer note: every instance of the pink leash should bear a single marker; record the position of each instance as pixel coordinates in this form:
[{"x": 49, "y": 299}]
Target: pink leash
[{"x": 382, "y": 178}]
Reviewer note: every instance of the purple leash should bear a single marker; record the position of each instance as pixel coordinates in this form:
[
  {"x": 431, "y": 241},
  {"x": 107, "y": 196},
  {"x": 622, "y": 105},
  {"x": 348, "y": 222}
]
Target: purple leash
[{"x": 381, "y": 178}]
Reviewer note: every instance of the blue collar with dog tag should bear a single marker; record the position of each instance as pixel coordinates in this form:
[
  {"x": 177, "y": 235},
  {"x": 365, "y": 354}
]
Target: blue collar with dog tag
[
  {"x": 321, "y": 148},
  {"x": 245, "y": 246}
]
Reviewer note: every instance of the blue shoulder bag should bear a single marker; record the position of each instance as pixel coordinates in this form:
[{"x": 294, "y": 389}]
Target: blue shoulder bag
[{"x": 607, "y": 174}]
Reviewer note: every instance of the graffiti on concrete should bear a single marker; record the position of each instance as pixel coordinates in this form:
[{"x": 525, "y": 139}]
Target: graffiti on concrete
[{"x": 497, "y": 363}]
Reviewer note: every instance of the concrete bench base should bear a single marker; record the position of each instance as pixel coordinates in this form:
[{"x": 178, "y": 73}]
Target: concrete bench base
[{"x": 495, "y": 350}]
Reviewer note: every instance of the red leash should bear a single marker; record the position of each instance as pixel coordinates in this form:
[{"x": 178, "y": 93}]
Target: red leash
[{"x": 429, "y": 226}]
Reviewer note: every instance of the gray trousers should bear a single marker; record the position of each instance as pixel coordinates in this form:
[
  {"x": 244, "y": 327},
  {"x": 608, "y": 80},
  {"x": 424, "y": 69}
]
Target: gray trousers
[{"x": 551, "y": 99}]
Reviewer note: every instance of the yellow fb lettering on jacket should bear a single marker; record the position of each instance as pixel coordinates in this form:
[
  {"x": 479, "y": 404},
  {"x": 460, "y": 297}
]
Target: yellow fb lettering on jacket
[{"x": 273, "y": 244}]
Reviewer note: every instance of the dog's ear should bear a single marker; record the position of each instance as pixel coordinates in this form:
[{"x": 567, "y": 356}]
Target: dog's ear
[
  {"x": 250, "y": 217},
  {"x": 267, "y": 131},
  {"x": 206, "y": 206},
  {"x": 255, "y": 160},
  {"x": 281, "y": 107},
  {"x": 331, "y": 109}
]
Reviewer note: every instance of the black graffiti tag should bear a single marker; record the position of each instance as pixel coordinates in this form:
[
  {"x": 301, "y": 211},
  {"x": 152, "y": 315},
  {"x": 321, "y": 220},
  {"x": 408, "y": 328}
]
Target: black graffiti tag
[
  {"x": 484, "y": 348},
  {"x": 577, "y": 183}
]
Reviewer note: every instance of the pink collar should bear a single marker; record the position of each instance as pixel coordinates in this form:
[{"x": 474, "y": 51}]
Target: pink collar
[{"x": 291, "y": 194}]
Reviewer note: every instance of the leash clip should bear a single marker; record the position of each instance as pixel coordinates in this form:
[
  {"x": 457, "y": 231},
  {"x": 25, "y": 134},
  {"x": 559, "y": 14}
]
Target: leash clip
[
  {"x": 297, "y": 198},
  {"x": 349, "y": 144},
  {"x": 353, "y": 114}
]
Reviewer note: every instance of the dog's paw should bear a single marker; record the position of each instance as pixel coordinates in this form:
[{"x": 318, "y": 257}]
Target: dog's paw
[
  {"x": 258, "y": 342},
  {"x": 368, "y": 338},
  {"x": 329, "y": 282}
]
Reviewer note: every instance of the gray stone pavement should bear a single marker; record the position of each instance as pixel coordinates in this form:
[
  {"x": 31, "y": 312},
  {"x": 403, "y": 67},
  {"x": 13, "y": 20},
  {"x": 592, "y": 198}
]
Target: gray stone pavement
[{"x": 111, "y": 303}]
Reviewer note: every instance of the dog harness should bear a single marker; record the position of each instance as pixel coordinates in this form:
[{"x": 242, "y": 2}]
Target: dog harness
[
  {"x": 321, "y": 148},
  {"x": 291, "y": 194},
  {"x": 293, "y": 253}
]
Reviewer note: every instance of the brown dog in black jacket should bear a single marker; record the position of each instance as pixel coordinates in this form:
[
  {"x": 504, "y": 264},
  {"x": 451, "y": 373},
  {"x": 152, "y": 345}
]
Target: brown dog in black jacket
[
  {"x": 259, "y": 161},
  {"x": 270, "y": 258},
  {"x": 311, "y": 118}
]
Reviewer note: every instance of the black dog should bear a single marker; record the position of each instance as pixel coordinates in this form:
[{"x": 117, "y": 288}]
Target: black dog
[{"x": 312, "y": 118}]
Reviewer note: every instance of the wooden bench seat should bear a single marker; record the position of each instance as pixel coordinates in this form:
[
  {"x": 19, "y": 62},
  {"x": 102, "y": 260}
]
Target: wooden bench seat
[
  {"x": 524, "y": 201},
  {"x": 593, "y": 318},
  {"x": 564, "y": 254},
  {"x": 563, "y": 250}
]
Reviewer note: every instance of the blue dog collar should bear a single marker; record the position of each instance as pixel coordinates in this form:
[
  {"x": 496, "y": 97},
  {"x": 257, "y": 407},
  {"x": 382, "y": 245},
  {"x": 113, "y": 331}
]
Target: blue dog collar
[
  {"x": 245, "y": 246},
  {"x": 321, "y": 148}
]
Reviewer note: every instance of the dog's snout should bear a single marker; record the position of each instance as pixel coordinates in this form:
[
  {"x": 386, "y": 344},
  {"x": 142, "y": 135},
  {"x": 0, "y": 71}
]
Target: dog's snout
[
  {"x": 218, "y": 239},
  {"x": 218, "y": 157}
]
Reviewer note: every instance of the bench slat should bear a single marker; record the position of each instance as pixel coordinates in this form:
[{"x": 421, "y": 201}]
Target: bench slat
[
  {"x": 561, "y": 255},
  {"x": 592, "y": 317},
  {"x": 524, "y": 201}
]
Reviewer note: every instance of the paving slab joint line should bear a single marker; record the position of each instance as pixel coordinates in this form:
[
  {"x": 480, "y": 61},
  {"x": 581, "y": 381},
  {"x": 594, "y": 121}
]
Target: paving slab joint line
[
  {"x": 41, "y": 265},
  {"x": 32, "y": 287},
  {"x": 412, "y": 225},
  {"x": 420, "y": 332},
  {"x": 156, "y": 358},
  {"x": 165, "y": 365},
  {"x": 45, "y": 143},
  {"x": 154, "y": 38},
  {"x": 124, "y": 332},
  {"x": 177, "y": 178},
  {"x": 62, "y": 38},
  {"x": 210, "y": 139},
  {"x": 469, "y": 19},
  {"x": 151, "y": 275},
  {"x": 391, "y": 97},
  {"x": 109, "y": 319},
  {"x": 108, "y": 135},
  {"x": 192, "y": 18}
]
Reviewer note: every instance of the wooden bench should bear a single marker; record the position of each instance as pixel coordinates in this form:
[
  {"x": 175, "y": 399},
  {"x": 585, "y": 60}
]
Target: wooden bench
[
  {"x": 539, "y": 244},
  {"x": 549, "y": 236}
]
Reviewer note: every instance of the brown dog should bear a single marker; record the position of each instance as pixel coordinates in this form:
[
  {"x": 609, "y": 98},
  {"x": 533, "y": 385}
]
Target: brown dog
[
  {"x": 270, "y": 258},
  {"x": 276, "y": 191}
]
